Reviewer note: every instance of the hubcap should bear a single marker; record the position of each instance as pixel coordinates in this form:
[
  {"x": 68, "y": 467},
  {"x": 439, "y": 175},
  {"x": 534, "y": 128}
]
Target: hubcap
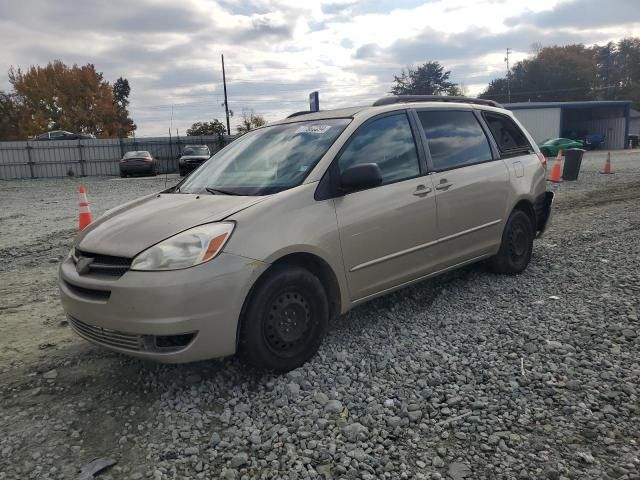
[
  {"x": 288, "y": 322},
  {"x": 518, "y": 242}
]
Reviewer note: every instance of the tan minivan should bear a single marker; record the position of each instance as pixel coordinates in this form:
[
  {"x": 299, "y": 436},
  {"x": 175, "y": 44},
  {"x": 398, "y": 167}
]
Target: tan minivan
[{"x": 301, "y": 220}]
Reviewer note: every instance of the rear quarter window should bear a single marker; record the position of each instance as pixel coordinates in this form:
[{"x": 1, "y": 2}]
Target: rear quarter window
[{"x": 510, "y": 139}]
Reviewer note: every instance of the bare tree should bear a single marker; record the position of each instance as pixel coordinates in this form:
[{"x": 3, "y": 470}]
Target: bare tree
[{"x": 250, "y": 120}]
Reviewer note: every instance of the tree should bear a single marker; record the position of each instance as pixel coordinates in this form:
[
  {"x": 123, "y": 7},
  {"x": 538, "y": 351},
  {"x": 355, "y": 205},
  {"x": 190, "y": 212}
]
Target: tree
[
  {"x": 207, "y": 128},
  {"x": 554, "y": 74},
  {"x": 250, "y": 121},
  {"x": 575, "y": 72},
  {"x": 628, "y": 66},
  {"x": 121, "y": 92},
  {"x": 427, "y": 79},
  {"x": 74, "y": 98},
  {"x": 10, "y": 118}
]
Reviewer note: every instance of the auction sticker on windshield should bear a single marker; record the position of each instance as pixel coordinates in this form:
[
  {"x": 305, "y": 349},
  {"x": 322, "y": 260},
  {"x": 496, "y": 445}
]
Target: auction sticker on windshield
[{"x": 319, "y": 129}]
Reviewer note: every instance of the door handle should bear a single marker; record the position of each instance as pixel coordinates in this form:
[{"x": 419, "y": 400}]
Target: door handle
[
  {"x": 422, "y": 190},
  {"x": 443, "y": 185}
]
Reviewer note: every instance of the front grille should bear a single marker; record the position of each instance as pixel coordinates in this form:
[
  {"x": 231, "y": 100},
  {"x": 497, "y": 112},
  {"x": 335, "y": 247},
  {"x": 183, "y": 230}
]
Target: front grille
[
  {"x": 107, "y": 337},
  {"x": 104, "y": 264}
]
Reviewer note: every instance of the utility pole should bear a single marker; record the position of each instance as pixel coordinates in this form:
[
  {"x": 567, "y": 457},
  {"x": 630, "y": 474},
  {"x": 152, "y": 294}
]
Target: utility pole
[
  {"x": 226, "y": 104},
  {"x": 506, "y": 59}
]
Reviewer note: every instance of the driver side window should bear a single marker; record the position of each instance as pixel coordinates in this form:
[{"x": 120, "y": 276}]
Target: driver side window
[{"x": 387, "y": 141}]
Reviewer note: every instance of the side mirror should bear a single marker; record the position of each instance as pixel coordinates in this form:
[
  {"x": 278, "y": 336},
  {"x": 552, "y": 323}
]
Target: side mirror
[{"x": 359, "y": 177}]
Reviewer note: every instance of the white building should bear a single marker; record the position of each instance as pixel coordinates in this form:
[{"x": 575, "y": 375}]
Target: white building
[{"x": 545, "y": 120}]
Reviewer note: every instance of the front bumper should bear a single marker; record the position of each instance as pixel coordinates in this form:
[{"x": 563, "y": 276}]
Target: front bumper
[
  {"x": 543, "y": 212},
  {"x": 137, "y": 168},
  {"x": 173, "y": 317},
  {"x": 189, "y": 166}
]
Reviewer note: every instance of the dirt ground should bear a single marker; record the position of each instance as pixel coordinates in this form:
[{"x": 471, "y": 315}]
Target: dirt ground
[{"x": 65, "y": 401}]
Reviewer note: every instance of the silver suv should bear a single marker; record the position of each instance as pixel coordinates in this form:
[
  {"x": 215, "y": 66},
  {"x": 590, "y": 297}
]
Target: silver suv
[{"x": 301, "y": 220}]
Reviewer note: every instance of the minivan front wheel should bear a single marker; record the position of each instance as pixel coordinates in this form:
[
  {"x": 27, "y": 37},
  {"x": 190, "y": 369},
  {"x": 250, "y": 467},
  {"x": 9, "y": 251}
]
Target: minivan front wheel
[
  {"x": 517, "y": 245},
  {"x": 285, "y": 320}
]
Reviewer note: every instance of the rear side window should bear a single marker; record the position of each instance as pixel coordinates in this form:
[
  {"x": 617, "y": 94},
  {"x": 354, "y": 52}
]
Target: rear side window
[
  {"x": 387, "y": 141},
  {"x": 455, "y": 138},
  {"x": 508, "y": 136}
]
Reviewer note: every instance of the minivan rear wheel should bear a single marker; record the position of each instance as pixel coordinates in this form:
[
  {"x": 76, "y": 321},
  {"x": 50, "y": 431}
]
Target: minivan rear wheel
[
  {"x": 285, "y": 320},
  {"x": 517, "y": 245}
]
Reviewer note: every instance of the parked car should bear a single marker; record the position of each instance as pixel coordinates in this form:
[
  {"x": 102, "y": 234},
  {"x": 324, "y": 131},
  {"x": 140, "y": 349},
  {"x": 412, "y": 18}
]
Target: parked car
[
  {"x": 551, "y": 147},
  {"x": 62, "y": 135},
  {"x": 138, "y": 162},
  {"x": 192, "y": 157},
  {"x": 593, "y": 141},
  {"x": 299, "y": 221}
]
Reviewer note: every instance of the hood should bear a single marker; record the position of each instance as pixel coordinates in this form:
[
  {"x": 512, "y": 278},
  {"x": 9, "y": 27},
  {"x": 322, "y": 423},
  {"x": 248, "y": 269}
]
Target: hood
[
  {"x": 127, "y": 230},
  {"x": 194, "y": 157}
]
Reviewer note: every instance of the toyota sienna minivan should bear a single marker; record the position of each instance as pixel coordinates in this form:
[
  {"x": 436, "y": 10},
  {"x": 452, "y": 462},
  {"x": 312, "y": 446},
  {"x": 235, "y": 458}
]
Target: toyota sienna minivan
[{"x": 301, "y": 220}]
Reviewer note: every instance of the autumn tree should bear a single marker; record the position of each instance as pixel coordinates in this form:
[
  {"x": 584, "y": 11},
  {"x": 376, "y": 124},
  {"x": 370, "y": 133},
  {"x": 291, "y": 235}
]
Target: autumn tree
[
  {"x": 427, "y": 79},
  {"x": 77, "y": 98},
  {"x": 575, "y": 72},
  {"x": 11, "y": 118},
  {"x": 216, "y": 127},
  {"x": 250, "y": 121},
  {"x": 558, "y": 73}
]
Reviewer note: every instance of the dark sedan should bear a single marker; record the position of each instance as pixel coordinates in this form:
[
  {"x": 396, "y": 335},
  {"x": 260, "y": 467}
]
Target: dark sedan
[
  {"x": 138, "y": 162},
  {"x": 192, "y": 157}
]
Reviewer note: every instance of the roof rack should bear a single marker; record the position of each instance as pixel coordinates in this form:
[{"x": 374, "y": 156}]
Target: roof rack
[
  {"x": 303, "y": 112},
  {"x": 390, "y": 100}
]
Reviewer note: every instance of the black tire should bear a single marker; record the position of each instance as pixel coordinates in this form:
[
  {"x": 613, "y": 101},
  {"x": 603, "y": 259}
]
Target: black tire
[
  {"x": 123, "y": 175},
  {"x": 517, "y": 245},
  {"x": 182, "y": 173},
  {"x": 285, "y": 320}
]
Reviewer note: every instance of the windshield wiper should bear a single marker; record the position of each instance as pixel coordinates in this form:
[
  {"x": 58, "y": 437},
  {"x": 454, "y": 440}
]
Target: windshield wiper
[{"x": 218, "y": 191}]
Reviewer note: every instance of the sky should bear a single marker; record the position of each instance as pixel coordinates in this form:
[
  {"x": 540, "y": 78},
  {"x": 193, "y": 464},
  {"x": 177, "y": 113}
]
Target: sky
[{"x": 278, "y": 51}]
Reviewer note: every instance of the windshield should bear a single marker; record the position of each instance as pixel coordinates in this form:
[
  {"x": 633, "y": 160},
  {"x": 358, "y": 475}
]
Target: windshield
[
  {"x": 267, "y": 160},
  {"x": 196, "y": 151}
]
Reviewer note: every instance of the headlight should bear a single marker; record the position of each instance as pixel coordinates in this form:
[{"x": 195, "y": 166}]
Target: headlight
[{"x": 191, "y": 247}]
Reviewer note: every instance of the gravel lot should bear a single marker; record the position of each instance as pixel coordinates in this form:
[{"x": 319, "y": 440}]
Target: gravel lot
[{"x": 471, "y": 375}]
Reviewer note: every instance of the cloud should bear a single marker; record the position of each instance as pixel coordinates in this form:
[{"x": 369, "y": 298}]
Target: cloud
[
  {"x": 581, "y": 14},
  {"x": 277, "y": 51},
  {"x": 432, "y": 44},
  {"x": 366, "y": 51},
  {"x": 112, "y": 16}
]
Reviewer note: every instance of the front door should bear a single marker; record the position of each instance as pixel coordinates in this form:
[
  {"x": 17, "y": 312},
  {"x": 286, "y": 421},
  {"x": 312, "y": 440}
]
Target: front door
[
  {"x": 471, "y": 186},
  {"x": 388, "y": 233}
]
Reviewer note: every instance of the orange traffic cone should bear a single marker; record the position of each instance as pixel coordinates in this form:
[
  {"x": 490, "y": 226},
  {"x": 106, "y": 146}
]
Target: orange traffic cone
[
  {"x": 607, "y": 166},
  {"x": 85, "y": 214},
  {"x": 556, "y": 171}
]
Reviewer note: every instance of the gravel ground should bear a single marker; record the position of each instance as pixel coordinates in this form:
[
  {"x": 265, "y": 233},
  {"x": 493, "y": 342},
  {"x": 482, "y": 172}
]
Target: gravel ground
[{"x": 470, "y": 375}]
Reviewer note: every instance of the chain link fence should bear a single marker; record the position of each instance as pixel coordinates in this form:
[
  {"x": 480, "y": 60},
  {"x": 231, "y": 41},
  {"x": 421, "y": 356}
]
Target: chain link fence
[{"x": 61, "y": 158}]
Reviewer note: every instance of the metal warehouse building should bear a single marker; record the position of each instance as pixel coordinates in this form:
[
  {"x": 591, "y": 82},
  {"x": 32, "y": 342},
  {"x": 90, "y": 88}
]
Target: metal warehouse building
[{"x": 575, "y": 119}]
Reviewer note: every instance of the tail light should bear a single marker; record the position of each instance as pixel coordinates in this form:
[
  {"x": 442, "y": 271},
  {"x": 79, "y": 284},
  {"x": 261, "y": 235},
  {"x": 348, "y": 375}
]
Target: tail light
[
  {"x": 543, "y": 160},
  {"x": 148, "y": 160},
  {"x": 123, "y": 160}
]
